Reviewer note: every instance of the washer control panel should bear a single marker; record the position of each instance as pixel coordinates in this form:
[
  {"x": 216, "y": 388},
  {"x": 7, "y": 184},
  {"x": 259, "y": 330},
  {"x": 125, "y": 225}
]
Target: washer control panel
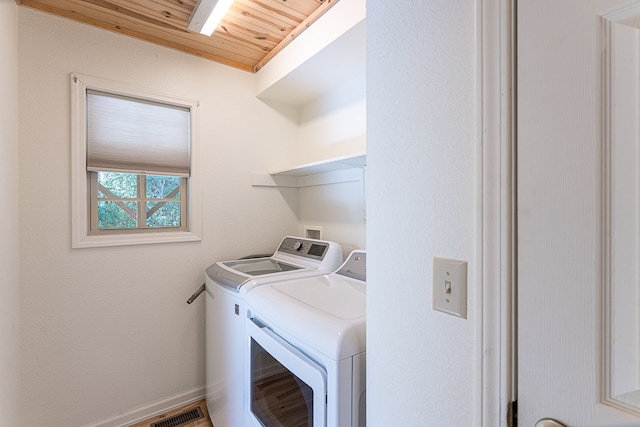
[{"x": 314, "y": 249}]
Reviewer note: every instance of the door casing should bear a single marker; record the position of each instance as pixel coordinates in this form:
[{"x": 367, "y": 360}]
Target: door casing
[{"x": 497, "y": 223}]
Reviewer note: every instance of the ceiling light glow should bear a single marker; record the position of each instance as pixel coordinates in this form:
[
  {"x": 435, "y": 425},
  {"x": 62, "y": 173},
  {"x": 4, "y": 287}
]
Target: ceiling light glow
[{"x": 207, "y": 15}]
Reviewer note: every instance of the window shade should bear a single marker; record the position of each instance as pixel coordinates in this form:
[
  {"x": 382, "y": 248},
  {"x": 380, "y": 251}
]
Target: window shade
[{"x": 136, "y": 136}]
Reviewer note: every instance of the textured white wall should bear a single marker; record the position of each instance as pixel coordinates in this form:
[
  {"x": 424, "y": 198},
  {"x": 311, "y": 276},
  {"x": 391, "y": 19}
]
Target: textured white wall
[
  {"x": 339, "y": 209},
  {"x": 334, "y": 125},
  {"x": 421, "y": 202},
  {"x": 107, "y": 330},
  {"x": 9, "y": 282}
]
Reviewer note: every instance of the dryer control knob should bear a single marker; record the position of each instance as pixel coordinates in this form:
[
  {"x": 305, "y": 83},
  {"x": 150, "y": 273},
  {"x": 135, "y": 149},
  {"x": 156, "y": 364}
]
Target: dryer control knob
[{"x": 297, "y": 246}]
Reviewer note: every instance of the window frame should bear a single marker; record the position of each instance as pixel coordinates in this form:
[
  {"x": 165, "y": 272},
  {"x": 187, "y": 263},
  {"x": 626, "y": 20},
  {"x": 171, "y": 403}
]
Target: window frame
[{"x": 81, "y": 234}]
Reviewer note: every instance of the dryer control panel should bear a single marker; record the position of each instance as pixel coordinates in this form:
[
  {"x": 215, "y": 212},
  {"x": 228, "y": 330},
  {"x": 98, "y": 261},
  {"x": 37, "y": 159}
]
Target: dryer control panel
[
  {"x": 355, "y": 266},
  {"x": 314, "y": 249}
]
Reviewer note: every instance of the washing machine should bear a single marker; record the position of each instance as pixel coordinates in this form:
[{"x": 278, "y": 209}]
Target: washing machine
[
  {"x": 306, "y": 345},
  {"x": 226, "y": 284}
]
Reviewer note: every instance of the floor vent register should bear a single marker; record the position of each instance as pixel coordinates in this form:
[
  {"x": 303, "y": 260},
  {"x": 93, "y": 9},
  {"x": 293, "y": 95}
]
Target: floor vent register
[{"x": 180, "y": 419}]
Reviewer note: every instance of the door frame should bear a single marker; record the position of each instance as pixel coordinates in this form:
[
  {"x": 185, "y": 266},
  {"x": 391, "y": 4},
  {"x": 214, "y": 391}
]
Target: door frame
[{"x": 496, "y": 47}]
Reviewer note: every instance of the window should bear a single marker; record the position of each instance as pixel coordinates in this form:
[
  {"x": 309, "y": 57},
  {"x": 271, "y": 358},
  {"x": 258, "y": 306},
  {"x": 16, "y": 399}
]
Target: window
[
  {"x": 124, "y": 201},
  {"x": 134, "y": 165}
]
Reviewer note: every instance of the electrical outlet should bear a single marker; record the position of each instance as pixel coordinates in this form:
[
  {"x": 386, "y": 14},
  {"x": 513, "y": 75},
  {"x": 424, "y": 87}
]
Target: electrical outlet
[{"x": 450, "y": 286}]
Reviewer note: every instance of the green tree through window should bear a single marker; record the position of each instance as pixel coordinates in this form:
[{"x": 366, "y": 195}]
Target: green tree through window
[{"x": 138, "y": 201}]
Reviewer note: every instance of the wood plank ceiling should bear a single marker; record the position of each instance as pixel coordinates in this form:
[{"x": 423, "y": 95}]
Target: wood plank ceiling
[{"x": 251, "y": 33}]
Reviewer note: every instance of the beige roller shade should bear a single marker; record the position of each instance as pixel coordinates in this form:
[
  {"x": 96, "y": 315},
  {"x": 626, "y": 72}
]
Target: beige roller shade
[{"x": 133, "y": 135}]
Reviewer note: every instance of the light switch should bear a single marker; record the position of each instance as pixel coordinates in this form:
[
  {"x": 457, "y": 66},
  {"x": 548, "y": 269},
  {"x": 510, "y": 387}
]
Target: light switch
[{"x": 450, "y": 286}]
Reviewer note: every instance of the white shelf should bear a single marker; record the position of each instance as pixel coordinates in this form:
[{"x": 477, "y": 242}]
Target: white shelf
[
  {"x": 330, "y": 171},
  {"x": 336, "y": 163},
  {"x": 330, "y": 52},
  {"x": 341, "y": 61}
]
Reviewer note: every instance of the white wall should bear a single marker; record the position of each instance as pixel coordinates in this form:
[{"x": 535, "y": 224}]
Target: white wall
[
  {"x": 331, "y": 126},
  {"x": 107, "y": 330},
  {"x": 339, "y": 209},
  {"x": 334, "y": 125},
  {"x": 9, "y": 284},
  {"x": 421, "y": 202}
]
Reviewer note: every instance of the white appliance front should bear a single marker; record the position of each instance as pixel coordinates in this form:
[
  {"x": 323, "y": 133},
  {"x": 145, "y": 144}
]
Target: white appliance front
[
  {"x": 287, "y": 387},
  {"x": 305, "y": 326},
  {"x": 227, "y": 282}
]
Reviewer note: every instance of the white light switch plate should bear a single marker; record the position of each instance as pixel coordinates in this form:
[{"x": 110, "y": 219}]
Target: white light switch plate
[{"x": 450, "y": 286}]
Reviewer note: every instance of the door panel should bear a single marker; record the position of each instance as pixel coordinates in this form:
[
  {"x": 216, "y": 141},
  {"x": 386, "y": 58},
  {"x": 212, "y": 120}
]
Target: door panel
[{"x": 562, "y": 240}]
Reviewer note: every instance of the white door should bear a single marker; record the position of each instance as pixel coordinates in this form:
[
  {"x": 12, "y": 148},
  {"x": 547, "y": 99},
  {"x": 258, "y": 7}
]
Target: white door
[{"x": 578, "y": 186}]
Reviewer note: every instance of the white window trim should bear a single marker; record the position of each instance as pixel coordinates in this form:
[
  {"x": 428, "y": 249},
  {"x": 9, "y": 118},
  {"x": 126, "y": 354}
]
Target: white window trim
[{"x": 81, "y": 236}]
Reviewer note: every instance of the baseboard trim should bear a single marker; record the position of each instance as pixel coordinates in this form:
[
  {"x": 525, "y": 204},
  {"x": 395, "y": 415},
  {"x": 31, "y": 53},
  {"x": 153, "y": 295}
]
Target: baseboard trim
[{"x": 151, "y": 410}]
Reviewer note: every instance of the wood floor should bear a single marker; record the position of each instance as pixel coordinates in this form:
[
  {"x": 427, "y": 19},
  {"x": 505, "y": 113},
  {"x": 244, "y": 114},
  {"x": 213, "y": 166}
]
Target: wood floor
[
  {"x": 279, "y": 399},
  {"x": 205, "y": 422}
]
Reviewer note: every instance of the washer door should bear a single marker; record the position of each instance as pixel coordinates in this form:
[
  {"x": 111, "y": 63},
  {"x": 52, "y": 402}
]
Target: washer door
[{"x": 286, "y": 388}]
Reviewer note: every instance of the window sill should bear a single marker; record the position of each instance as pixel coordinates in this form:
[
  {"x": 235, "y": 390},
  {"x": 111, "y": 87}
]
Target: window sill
[{"x": 95, "y": 241}]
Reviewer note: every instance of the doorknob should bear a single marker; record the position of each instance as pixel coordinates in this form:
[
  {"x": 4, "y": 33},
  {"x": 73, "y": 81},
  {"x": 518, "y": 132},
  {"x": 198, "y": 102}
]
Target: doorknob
[{"x": 548, "y": 422}]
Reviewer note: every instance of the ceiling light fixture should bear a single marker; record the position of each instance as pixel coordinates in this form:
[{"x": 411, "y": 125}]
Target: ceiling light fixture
[{"x": 207, "y": 15}]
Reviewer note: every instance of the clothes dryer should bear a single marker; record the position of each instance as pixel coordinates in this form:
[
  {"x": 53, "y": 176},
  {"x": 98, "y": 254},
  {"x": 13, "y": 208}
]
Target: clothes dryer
[
  {"x": 227, "y": 283},
  {"x": 306, "y": 343}
]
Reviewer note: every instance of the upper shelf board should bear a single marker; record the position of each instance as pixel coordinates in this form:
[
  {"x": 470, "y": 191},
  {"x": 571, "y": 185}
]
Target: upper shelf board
[
  {"x": 330, "y": 52},
  {"x": 342, "y": 61},
  {"x": 332, "y": 171}
]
